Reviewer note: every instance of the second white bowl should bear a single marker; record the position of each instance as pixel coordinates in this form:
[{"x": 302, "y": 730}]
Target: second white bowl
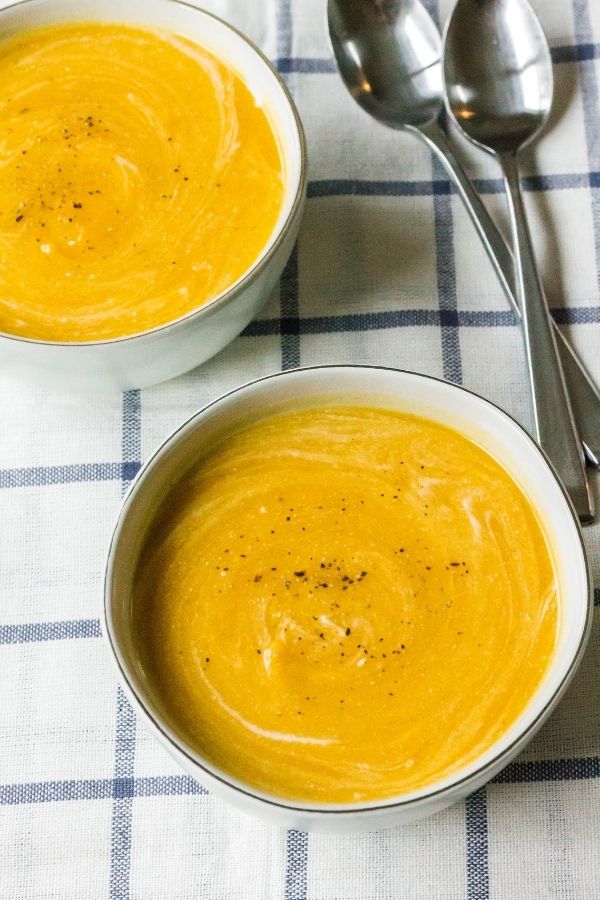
[{"x": 468, "y": 413}]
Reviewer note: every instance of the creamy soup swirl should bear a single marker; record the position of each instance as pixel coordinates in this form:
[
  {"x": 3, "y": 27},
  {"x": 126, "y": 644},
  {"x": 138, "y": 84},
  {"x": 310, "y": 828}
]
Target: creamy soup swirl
[
  {"x": 344, "y": 604},
  {"x": 139, "y": 179}
]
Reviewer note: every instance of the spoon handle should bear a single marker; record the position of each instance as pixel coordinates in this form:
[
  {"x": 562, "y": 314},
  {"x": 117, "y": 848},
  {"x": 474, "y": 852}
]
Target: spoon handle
[
  {"x": 583, "y": 394},
  {"x": 554, "y": 423}
]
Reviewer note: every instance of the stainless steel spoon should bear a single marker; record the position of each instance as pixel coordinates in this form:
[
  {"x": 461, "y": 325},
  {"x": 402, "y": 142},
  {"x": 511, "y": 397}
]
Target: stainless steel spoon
[
  {"x": 498, "y": 80},
  {"x": 389, "y": 56}
]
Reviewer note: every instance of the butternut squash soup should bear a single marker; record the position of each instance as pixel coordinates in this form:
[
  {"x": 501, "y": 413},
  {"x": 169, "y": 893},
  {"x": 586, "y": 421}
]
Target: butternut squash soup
[
  {"x": 139, "y": 178},
  {"x": 343, "y": 604}
]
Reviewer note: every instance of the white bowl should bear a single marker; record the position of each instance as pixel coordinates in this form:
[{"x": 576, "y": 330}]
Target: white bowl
[
  {"x": 168, "y": 350},
  {"x": 476, "y": 418}
]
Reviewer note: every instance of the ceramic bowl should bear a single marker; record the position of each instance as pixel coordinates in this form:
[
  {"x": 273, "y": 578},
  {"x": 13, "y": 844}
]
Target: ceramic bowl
[
  {"x": 166, "y": 351},
  {"x": 470, "y": 414}
]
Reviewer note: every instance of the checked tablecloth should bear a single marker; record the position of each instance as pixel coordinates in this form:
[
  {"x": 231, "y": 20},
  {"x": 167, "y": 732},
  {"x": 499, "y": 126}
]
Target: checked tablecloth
[{"x": 387, "y": 270}]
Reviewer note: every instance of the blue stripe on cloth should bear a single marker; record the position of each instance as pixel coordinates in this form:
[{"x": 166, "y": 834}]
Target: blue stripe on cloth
[
  {"x": 296, "y": 865},
  {"x": 590, "y": 100},
  {"x": 99, "y": 789},
  {"x": 575, "y": 53},
  {"x": 288, "y": 284},
  {"x": 49, "y": 631},
  {"x": 290, "y": 321},
  {"x": 284, "y": 30},
  {"x": 478, "y": 877},
  {"x": 407, "y": 318},
  {"x": 578, "y": 769},
  {"x": 125, "y": 727},
  {"x": 131, "y": 437},
  {"x": 586, "y": 315},
  {"x": 349, "y": 322},
  {"x": 305, "y": 65},
  {"x": 167, "y": 786},
  {"x": 123, "y": 792},
  {"x": 446, "y": 282},
  {"x": 396, "y": 318},
  {"x": 315, "y": 65},
  {"x": 56, "y": 791},
  {"x": 356, "y": 187},
  {"x": 41, "y": 476}
]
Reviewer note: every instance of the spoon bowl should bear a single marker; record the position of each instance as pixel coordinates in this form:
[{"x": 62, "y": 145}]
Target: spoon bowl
[
  {"x": 389, "y": 56},
  {"x": 499, "y": 88}
]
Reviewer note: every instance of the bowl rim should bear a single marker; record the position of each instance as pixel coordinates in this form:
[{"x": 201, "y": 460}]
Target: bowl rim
[
  {"x": 337, "y": 810},
  {"x": 275, "y": 240}
]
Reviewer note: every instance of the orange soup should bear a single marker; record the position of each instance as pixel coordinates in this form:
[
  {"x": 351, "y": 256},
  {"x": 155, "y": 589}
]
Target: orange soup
[
  {"x": 139, "y": 179},
  {"x": 343, "y": 604}
]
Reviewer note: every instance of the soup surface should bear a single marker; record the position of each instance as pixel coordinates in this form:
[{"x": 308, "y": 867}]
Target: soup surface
[
  {"x": 139, "y": 178},
  {"x": 345, "y": 603}
]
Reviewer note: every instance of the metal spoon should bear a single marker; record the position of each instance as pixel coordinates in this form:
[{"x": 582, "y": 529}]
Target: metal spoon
[
  {"x": 389, "y": 56},
  {"x": 498, "y": 79}
]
